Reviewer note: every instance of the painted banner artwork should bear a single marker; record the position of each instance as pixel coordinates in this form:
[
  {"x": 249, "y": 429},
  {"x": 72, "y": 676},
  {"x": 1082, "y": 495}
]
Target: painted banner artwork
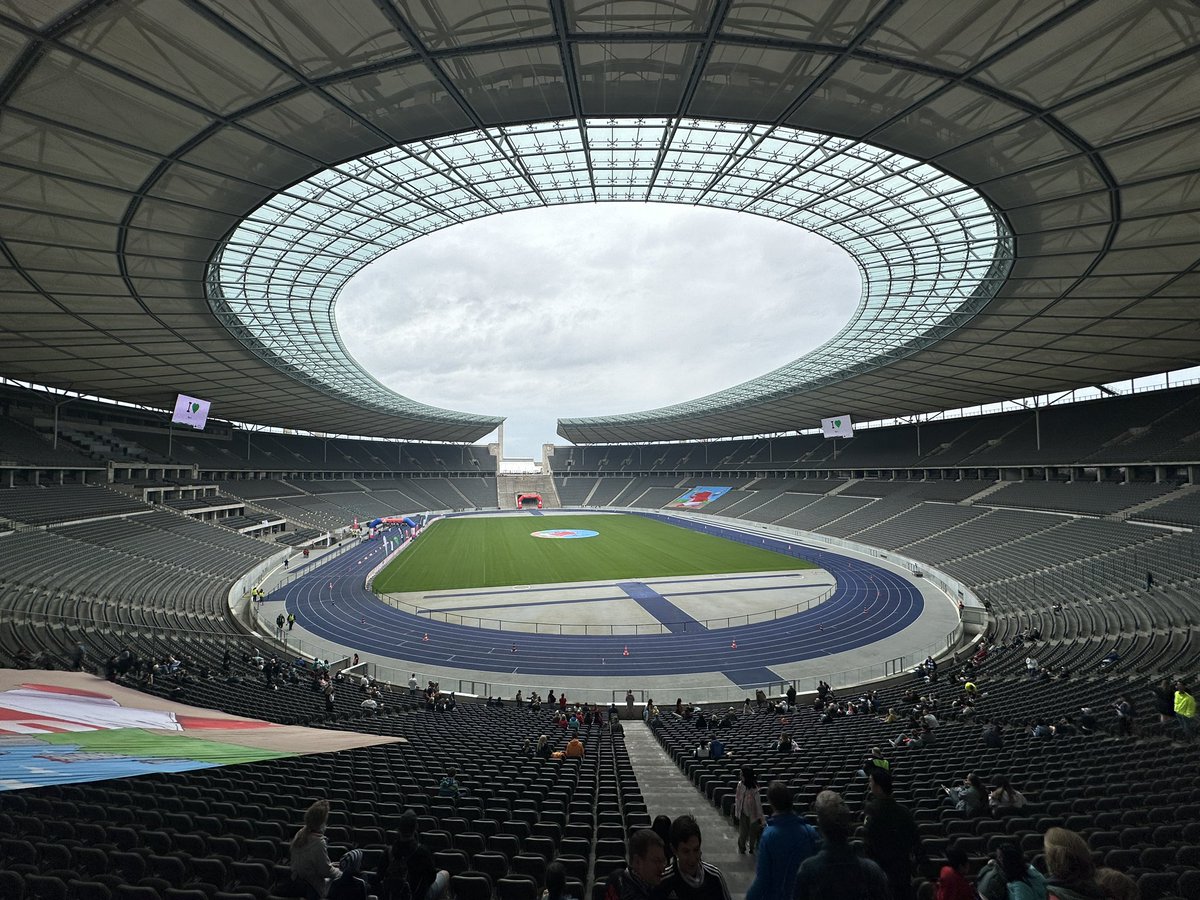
[
  {"x": 56, "y": 734},
  {"x": 68, "y": 727},
  {"x": 697, "y": 498}
]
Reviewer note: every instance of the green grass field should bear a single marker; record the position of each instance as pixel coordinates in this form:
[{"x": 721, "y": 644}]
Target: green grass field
[{"x": 493, "y": 552}]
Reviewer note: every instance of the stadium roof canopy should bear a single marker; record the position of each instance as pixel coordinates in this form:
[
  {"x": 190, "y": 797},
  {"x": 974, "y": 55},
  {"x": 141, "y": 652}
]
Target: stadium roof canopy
[{"x": 188, "y": 183}]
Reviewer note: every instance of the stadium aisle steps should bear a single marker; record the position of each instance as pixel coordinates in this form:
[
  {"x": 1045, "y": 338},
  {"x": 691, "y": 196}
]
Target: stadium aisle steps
[
  {"x": 984, "y": 492},
  {"x": 668, "y": 792},
  {"x": 1180, "y": 493}
]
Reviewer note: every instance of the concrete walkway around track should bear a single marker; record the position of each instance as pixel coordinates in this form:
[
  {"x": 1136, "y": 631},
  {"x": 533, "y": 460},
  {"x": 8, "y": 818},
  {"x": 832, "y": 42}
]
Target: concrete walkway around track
[{"x": 668, "y": 792}]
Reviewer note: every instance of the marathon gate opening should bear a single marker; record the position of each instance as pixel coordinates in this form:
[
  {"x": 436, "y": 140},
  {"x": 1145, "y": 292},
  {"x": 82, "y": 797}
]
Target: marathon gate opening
[{"x": 529, "y": 501}]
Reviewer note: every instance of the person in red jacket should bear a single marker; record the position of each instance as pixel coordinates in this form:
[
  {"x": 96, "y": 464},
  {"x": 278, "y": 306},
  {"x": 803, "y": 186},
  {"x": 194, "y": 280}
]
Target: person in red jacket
[{"x": 952, "y": 883}]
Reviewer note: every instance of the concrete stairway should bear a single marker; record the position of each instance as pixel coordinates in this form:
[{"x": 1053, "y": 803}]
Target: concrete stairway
[
  {"x": 668, "y": 792},
  {"x": 508, "y": 486},
  {"x": 990, "y": 489},
  {"x": 1155, "y": 501}
]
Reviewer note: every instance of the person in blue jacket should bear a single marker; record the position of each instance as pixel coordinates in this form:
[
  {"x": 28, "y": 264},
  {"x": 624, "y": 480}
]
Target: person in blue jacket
[{"x": 787, "y": 841}]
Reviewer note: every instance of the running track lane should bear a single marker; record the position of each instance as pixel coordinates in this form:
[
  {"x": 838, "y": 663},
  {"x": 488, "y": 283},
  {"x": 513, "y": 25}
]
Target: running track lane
[{"x": 869, "y": 603}]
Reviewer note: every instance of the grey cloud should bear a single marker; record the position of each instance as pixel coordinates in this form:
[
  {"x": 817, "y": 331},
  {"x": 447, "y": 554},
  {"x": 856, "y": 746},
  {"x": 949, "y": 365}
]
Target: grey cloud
[{"x": 591, "y": 310}]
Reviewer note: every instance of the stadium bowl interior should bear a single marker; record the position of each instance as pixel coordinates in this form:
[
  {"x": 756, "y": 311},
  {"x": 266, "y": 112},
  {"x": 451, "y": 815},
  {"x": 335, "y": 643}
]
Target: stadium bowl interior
[{"x": 189, "y": 183}]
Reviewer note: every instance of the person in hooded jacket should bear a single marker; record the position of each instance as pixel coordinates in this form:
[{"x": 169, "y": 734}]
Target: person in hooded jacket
[{"x": 1007, "y": 876}]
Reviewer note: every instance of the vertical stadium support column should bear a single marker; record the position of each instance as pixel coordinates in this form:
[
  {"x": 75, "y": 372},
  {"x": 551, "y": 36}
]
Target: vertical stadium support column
[{"x": 1037, "y": 426}]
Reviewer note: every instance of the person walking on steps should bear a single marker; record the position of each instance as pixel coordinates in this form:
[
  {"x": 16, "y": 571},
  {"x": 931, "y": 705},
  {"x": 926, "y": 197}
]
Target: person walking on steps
[{"x": 748, "y": 811}]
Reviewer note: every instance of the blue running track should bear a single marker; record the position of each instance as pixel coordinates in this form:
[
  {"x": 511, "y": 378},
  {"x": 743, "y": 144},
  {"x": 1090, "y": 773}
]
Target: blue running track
[{"x": 868, "y": 604}]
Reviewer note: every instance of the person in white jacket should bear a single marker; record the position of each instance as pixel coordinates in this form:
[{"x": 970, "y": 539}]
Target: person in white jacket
[{"x": 748, "y": 811}]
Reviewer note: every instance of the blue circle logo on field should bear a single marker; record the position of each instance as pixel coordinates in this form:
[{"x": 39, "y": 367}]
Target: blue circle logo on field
[{"x": 564, "y": 534}]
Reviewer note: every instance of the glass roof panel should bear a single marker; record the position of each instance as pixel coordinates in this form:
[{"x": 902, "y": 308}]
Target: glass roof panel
[
  {"x": 959, "y": 33},
  {"x": 39, "y": 13},
  {"x": 466, "y": 22},
  {"x": 632, "y": 78},
  {"x": 66, "y": 89},
  {"x": 639, "y": 15},
  {"x": 1095, "y": 45},
  {"x": 932, "y": 251},
  {"x": 317, "y": 38},
  {"x": 513, "y": 84},
  {"x": 1157, "y": 99},
  {"x": 36, "y": 144},
  {"x": 753, "y": 83},
  {"x": 167, "y": 44},
  {"x": 11, "y": 45},
  {"x": 819, "y": 21}
]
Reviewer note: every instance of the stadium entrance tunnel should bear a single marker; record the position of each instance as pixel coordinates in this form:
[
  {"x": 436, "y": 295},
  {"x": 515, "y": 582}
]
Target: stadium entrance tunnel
[{"x": 529, "y": 501}]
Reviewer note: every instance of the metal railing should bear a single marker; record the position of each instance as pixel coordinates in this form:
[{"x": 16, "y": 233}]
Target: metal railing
[
  {"x": 724, "y": 693},
  {"x": 291, "y": 573},
  {"x": 637, "y": 628}
]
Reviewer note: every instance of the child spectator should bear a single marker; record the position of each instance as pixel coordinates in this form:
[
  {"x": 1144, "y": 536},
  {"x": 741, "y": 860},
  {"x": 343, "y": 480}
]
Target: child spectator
[{"x": 952, "y": 883}]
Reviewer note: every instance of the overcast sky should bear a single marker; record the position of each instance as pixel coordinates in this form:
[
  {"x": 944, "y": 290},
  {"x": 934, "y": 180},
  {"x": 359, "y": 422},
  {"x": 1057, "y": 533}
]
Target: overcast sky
[{"x": 591, "y": 310}]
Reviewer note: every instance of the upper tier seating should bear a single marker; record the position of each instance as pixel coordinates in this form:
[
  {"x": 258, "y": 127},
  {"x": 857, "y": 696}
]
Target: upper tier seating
[
  {"x": 21, "y": 445},
  {"x": 947, "y": 490},
  {"x": 176, "y": 540},
  {"x": 249, "y": 489},
  {"x": 1086, "y": 497},
  {"x": 65, "y": 503},
  {"x": 1158, "y": 426},
  {"x": 1183, "y": 510}
]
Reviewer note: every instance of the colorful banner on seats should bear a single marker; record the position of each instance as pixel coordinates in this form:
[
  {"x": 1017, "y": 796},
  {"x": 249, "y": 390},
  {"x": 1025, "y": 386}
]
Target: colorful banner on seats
[
  {"x": 63, "y": 728},
  {"x": 698, "y": 498}
]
